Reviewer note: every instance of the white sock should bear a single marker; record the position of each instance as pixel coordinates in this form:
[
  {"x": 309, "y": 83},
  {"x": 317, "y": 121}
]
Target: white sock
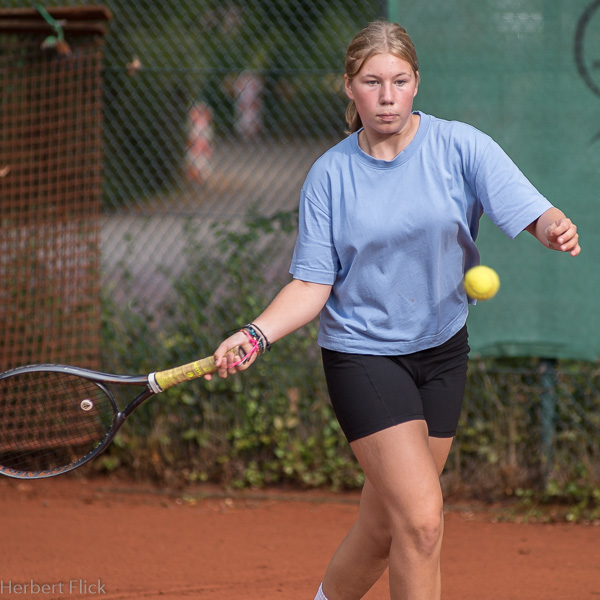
[{"x": 320, "y": 595}]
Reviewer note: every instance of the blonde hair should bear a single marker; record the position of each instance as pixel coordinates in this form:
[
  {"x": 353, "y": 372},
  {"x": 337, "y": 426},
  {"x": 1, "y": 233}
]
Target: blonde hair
[{"x": 378, "y": 37}]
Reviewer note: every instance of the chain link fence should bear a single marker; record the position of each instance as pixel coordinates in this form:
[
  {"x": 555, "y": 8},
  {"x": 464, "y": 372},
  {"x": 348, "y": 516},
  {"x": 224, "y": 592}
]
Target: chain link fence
[
  {"x": 213, "y": 111},
  {"x": 213, "y": 114}
]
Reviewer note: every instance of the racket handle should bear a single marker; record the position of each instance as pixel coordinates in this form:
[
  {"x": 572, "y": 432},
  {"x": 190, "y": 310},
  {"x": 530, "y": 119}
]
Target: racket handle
[
  {"x": 162, "y": 380},
  {"x": 193, "y": 370}
]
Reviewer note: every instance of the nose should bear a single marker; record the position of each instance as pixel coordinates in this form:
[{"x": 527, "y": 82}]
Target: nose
[{"x": 386, "y": 95}]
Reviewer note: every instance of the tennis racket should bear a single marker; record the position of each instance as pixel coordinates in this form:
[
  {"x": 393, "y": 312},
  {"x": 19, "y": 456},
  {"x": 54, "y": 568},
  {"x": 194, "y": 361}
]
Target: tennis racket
[{"x": 56, "y": 418}]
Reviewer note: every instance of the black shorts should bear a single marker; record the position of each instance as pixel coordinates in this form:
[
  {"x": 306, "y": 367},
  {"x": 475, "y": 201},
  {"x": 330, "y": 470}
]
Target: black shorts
[{"x": 370, "y": 393}]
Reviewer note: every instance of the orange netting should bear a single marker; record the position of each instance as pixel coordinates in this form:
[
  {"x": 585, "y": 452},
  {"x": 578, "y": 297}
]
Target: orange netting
[{"x": 50, "y": 193}]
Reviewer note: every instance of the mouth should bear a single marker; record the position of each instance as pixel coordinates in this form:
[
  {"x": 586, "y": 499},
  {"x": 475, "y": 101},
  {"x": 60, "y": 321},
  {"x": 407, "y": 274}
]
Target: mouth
[{"x": 387, "y": 116}]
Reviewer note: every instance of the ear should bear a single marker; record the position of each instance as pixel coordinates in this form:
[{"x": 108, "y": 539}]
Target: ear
[
  {"x": 418, "y": 80},
  {"x": 348, "y": 88}
]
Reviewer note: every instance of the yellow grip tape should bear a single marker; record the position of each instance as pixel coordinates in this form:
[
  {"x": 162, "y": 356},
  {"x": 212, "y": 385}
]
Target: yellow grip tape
[{"x": 194, "y": 370}]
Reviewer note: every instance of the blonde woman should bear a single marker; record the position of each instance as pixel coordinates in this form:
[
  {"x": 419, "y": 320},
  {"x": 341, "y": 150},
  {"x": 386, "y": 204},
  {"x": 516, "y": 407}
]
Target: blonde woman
[{"x": 388, "y": 223}]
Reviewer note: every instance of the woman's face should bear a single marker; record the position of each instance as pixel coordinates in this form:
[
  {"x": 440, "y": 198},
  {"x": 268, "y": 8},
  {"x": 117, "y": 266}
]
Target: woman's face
[{"x": 383, "y": 91}]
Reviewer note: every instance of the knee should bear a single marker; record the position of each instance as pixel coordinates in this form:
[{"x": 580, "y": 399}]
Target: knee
[{"x": 424, "y": 531}]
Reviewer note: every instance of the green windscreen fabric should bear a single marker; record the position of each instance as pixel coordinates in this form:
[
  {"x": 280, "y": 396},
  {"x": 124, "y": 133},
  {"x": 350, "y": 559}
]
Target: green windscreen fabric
[{"x": 527, "y": 73}]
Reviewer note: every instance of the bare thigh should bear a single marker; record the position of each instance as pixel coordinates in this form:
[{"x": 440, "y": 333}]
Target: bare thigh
[
  {"x": 402, "y": 464},
  {"x": 440, "y": 449}
]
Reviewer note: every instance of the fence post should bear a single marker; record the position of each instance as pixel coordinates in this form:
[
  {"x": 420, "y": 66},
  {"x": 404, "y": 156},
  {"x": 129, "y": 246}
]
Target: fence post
[{"x": 548, "y": 402}]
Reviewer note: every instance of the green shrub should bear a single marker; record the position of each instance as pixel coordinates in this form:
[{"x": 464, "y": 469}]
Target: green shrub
[{"x": 270, "y": 424}]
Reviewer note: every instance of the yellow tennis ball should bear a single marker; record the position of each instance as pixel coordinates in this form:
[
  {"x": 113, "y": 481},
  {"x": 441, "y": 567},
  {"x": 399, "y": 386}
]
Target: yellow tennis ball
[{"x": 481, "y": 283}]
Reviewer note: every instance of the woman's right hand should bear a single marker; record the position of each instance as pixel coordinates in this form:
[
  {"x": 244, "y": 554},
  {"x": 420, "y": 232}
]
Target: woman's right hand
[
  {"x": 229, "y": 359},
  {"x": 298, "y": 303}
]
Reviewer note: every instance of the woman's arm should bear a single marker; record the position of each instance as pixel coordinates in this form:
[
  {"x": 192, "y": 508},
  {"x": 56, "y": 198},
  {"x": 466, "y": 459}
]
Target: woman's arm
[
  {"x": 556, "y": 231},
  {"x": 297, "y": 304}
]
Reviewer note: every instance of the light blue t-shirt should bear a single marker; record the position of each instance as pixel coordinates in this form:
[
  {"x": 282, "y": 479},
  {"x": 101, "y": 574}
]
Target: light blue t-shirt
[{"x": 395, "y": 238}]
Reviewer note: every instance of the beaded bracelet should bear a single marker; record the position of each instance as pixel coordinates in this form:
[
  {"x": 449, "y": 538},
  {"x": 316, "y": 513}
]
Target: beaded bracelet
[
  {"x": 256, "y": 334},
  {"x": 267, "y": 344}
]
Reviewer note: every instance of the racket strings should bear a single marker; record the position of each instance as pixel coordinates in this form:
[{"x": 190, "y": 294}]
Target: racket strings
[{"x": 50, "y": 420}]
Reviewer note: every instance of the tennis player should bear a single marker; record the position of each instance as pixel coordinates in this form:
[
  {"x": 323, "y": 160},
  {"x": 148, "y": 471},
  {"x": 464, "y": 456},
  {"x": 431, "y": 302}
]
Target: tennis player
[{"x": 388, "y": 223}]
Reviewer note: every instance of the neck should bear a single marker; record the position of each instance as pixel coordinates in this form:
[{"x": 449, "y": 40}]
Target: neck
[{"x": 387, "y": 147}]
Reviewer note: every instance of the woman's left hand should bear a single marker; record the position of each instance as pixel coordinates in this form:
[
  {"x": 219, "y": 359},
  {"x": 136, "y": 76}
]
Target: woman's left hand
[{"x": 562, "y": 236}]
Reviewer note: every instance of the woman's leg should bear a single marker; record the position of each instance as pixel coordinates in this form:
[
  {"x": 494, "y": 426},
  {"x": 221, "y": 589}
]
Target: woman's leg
[
  {"x": 400, "y": 466},
  {"x": 362, "y": 557},
  {"x": 400, "y": 517}
]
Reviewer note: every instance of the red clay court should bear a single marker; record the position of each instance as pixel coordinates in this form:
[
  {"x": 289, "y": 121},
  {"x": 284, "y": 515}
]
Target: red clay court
[{"x": 122, "y": 541}]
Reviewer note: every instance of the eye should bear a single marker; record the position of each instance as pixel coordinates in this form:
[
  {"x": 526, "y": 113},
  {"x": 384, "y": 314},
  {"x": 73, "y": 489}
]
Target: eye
[{"x": 401, "y": 81}]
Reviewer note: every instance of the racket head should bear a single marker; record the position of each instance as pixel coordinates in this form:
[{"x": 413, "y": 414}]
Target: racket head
[{"x": 52, "y": 420}]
